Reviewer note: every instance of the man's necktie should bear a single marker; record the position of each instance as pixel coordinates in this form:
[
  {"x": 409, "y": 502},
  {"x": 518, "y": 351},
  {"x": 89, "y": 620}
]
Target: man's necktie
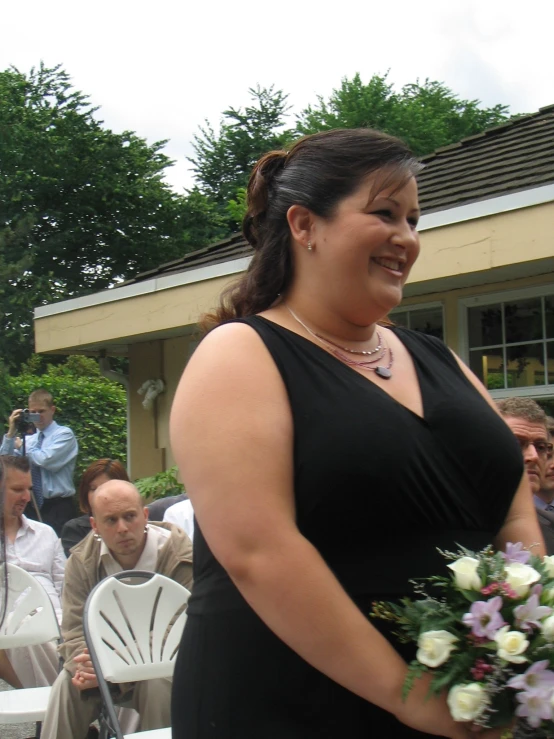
[{"x": 36, "y": 475}]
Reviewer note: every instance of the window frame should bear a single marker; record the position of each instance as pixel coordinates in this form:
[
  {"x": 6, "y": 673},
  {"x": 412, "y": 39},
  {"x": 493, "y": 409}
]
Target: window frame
[
  {"x": 502, "y": 296},
  {"x": 422, "y": 306}
]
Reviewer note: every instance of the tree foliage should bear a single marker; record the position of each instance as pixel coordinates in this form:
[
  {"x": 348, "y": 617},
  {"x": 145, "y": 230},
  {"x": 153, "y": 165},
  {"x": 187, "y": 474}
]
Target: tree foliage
[
  {"x": 225, "y": 158},
  {"x": 81, "y": 207},
  {"x": 94, "y": 407},
  {"x": 425, "y": 115}
]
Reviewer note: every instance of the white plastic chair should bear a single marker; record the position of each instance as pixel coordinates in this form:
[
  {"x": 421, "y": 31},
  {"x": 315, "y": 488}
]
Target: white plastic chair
[
  {"x": 30, "y": 619},
  {"x": 133, "y": 631}
]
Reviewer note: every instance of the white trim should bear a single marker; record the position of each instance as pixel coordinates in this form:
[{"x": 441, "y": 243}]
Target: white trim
[
  {"x": 533, "y": 391},
  {"x": 147, "y": 286},
  {"x": 481, "y": 209},
  {"x": 489, "y": 207},
  {"x": 503, "y": 296}
]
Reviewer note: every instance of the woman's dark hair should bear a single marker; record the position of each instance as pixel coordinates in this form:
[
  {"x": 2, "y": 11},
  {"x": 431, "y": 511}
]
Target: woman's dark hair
[
  {"x": 109, "y": 467},
  {"x": 318, "y": 172}
]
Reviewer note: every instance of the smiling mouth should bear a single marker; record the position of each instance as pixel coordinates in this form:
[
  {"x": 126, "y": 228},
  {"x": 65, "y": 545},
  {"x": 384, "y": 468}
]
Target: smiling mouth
[{"x": 394, "y": 265}]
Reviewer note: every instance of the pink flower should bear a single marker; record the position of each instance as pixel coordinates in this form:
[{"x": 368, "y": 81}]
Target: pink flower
[
  {"x": 516, "y": 553},
  {"x": 484, "y": 617},
  {"x": 529, "y": 614},
  {"x": 535, "y": 706},
  {"x": 536, "y": 677}
]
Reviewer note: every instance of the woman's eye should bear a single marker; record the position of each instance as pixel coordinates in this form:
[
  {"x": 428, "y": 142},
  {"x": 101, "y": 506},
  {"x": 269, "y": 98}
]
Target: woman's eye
[{"x": 384, "y": 213}]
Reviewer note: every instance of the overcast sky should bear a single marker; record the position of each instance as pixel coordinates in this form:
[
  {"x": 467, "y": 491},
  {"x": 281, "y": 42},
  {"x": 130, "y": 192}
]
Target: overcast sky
[{"x": 161, "y": 68}]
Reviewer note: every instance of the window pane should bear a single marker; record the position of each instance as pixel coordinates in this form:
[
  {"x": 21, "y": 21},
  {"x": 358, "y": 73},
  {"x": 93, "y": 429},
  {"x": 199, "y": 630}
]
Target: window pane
[
  {"x": 488, "y": 365},
  {"x": 525, "y": 365},
  {"x": 523, "y": 320},
  {"x": 485, "y": 325},
  {"x": 400, "y": 318},
  {"x": 549, "y": 313},
  {"x": 550, "y": 355},
  {"x": 428, "y": 321}
]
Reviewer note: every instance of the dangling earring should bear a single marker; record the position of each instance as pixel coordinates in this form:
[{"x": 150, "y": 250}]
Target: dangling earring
[
  {"x": 97, "y": 536},
  {"x": 146, "y": 529},
  {"x": 310, "y": 247}
]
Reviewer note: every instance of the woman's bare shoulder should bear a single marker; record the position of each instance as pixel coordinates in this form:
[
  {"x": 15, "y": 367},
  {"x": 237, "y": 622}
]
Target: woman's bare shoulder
[{"x": 233, "y": 354}]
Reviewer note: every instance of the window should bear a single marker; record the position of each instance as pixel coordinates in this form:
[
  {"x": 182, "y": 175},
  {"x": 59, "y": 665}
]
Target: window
[
  {"x": 510, "y": 340},
  {"x": 426, "y": 318}
]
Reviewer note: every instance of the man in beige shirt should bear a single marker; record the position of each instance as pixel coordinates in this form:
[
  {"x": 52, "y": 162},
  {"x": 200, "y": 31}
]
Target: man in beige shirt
[{"x": 121, "y": 539}]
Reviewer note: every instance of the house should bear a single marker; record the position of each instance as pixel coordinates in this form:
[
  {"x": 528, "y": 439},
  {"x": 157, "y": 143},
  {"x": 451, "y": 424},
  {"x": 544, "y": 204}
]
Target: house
[{"x": 484, "y": 282}]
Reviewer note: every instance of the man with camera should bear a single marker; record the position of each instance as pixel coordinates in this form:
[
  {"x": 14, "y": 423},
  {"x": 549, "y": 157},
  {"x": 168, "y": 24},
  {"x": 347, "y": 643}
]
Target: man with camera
[{"x": 52, "y": 451}]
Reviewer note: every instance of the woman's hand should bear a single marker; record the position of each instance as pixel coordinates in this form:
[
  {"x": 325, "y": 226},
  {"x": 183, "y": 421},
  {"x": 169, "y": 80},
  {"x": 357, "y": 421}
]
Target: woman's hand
[{"x": 432, "y": 715}]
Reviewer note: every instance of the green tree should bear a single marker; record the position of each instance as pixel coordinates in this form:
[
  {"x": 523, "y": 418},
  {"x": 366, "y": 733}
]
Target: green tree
[
  {"x": 81, "y": 207},
  {"x": 426, "y": 115},
  {"x": 203, "y": 220},
  {"x": 224, "y": 159},
  {"x": 94, "y": 407}
]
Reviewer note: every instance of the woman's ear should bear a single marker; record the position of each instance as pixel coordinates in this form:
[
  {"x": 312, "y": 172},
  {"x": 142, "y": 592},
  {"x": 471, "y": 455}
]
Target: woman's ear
[{"x": 301, "y": 224}]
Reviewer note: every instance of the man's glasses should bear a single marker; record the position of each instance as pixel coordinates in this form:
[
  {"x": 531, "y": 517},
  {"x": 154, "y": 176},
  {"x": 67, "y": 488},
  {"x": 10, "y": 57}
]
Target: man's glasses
[{"x": 543, "y": 448}]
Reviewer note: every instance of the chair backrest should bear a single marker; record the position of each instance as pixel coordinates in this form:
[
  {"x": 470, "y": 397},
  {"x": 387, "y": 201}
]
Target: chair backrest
[
  {"x": 133, "y": 629},
  {"x": 30, "y": 616}
]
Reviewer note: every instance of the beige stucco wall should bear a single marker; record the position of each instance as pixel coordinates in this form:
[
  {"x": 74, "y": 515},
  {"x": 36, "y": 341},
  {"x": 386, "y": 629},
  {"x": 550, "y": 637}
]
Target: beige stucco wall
[
  {"x": 486, "y": 243},
  {"x": 494, "y": 242},
  {"x": 127, "y": 320}
]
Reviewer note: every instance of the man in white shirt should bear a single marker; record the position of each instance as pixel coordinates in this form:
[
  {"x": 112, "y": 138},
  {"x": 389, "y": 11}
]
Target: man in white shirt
[
  {"x": 121, "y": 539},
  {"x": 34, "y": 547},
  {"x": 182, "y": 515}
]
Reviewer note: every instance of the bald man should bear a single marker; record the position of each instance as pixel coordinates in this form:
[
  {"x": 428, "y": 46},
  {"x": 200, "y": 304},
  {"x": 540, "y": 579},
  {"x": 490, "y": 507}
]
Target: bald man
[{"x": 121, "y": 539}]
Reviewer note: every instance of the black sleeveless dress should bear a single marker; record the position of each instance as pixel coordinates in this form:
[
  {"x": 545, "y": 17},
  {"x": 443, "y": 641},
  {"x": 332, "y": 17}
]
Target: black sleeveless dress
[{"x": 377, "y": 489}]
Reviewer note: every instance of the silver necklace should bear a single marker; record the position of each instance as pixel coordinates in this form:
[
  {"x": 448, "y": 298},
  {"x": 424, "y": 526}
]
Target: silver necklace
[{"x": 336, "y": 349}]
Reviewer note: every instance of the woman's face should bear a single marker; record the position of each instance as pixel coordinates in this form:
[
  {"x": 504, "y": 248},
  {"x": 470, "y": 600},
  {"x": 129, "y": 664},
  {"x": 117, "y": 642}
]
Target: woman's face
[
  {"x": 364, "y": 253},
  {"x": 96, "y": 482}
]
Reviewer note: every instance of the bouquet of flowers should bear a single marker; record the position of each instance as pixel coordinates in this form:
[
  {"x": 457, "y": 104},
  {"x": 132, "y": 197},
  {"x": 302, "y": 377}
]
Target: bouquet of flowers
[{"x": 486, "y": 635}]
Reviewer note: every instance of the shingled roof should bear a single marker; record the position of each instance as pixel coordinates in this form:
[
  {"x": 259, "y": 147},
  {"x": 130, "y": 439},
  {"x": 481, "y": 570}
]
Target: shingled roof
[{"x": 517, "y": 155}]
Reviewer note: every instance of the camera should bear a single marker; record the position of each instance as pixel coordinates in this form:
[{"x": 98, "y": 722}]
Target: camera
[{"x": 26, "y": 419}]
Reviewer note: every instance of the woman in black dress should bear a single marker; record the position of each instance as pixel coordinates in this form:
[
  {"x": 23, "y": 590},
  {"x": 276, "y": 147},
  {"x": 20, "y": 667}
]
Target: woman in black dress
[{"x": 327, "y": 455}]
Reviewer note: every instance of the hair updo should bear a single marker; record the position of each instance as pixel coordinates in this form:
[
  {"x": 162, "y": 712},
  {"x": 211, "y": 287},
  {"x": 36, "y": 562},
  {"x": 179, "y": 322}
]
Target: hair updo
[{"x": 317, "y": 173}]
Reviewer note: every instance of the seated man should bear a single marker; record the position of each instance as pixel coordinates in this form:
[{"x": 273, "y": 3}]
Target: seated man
[
  {"x": 121, "y": 539},
  {"x": 546, "y": 492},
  {"x": 528, "y": 422},
  {"x": 34, "y": 547}
]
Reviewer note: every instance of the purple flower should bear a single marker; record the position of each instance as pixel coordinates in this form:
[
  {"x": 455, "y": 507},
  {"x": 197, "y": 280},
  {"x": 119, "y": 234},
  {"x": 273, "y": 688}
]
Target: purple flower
[
  {"x": 516, "y": 553},
  {"x": 484, "y": 617},
  {"x": 536, "y": 677},
  {"x": 529, "y": 614},
  {"x": 535, "y": 706}
]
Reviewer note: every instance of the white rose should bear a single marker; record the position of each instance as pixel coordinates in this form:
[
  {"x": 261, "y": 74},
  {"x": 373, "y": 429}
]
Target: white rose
[
  {"x": 466, "y": 702},
  {"x": 465, "y": 573},
  {"x": 510, "y": 645},
  {"x": 549, "y": 565},
  {"x": 547, "y": 628},
  {"x": 520, "y": 577},
  {"x": 435, "y": 647}
]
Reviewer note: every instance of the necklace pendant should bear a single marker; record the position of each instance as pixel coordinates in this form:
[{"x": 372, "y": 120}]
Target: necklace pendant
[{"x": 383, "y": 372}]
